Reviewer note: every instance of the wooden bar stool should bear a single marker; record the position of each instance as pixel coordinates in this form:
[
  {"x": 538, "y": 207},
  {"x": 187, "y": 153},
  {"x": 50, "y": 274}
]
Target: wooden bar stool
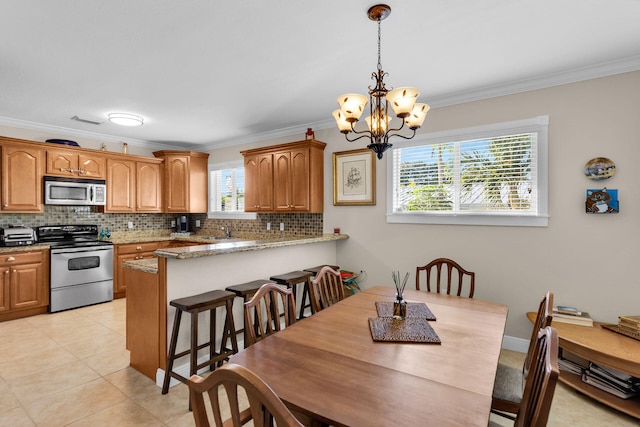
[
  {"x": 291, "y": 280},
  {"x": 195, "y": 305},
  {"x": 246, "y": 291}
]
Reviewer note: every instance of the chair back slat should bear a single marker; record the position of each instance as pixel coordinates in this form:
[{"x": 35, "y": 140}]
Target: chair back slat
[
  {"x": 543, "y": 319},
  {"x": 541, "y": 381},
  {"x": 452, "y": 269},
  {"x": 265, "y": 406},
  {"x": 263, "y": 314},
  {"x": 326, "y": 289}
]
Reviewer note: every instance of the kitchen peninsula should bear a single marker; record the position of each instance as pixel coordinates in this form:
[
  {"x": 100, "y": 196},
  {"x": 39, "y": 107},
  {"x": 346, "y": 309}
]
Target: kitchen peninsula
[{"x": 185, "y": 271}]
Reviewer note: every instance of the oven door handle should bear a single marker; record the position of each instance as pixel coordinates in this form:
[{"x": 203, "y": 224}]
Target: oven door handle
[{"x": 84, "y": 249}]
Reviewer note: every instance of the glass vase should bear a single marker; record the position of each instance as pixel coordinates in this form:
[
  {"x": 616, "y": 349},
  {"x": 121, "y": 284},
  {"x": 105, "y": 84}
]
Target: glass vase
[{"x": 399, "y": 308}]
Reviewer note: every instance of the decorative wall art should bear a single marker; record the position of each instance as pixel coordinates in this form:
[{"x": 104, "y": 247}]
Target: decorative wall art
[
  {"x": 599, "y": 168},
  {"x": 602, "y": 201},
  {"x": 354, "y": 177}
]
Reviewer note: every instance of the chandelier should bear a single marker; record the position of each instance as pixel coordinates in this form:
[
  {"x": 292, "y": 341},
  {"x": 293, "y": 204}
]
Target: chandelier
[{"x": 402, "y": 101}]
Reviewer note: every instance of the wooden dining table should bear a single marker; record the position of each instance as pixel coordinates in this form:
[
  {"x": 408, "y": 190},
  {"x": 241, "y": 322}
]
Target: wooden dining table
[{"x": 328, "y": 366}]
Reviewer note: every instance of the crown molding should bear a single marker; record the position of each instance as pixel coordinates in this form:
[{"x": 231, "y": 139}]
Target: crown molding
[
  {"x": 589, "y": 72},
  {"x": 24, "y": 124},
  {"x": 610, "y": 68}
]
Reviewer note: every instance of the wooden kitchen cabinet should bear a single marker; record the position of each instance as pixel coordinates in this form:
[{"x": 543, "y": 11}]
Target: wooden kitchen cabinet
[
  {"x": 129, "y": 252},
  {"x": 134, "y": 186},
  {"x": 133, "y": 251},
  {"x": 148, "y": 187},
  {"x": 121, "y": 185},
  {"x": 185, "y": 181},
  {"x": 24, "y": 284},
  {"x": 61, "y": 162},
  {"x": 258, "y": 179},
  {"x": 22, "y": 167},
  {"x": 296, "y": 183}
]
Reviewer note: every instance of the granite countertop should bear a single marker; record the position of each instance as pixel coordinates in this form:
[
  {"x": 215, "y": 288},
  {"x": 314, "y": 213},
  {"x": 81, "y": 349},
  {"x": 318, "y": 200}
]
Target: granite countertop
[
  {"x": 29, "y": 248},
  {"x": 150, "y": 265}
]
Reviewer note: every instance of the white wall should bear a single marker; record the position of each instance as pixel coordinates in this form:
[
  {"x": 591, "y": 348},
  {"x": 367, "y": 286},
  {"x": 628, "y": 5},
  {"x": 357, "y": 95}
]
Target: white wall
[{"x": 586, "y": 260}]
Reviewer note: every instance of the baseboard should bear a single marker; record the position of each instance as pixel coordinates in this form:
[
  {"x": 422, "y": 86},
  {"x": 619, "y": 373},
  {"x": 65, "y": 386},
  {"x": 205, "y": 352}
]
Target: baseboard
[{"x": 515, "y": 344}]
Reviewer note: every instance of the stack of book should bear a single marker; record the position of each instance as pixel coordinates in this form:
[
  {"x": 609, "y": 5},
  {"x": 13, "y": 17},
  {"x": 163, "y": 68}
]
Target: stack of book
[
  {"x": 612, "y": 381},
  {"x": 629, "y": 324},
  {"x": 565, "y": 314},
  {"x": 572, "y": 363}
]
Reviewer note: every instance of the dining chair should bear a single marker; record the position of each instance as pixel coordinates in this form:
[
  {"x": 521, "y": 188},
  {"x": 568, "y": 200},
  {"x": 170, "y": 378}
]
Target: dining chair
[
  {"x": 451, "y": 269},
  {"x": 264, "y": 311},
  {"x": 326, "y": 289},
  {"x": 264, "y": 404},
  {"x": 509, "y": 384},
  {"x": 540, "y": 384}
]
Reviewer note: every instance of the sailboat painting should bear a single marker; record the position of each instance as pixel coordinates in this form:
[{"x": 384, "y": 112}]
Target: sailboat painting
[{"x": 354, "y": 177}]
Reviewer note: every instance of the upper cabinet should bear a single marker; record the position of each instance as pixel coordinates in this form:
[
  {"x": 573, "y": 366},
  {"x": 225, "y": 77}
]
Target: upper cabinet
[
  {"x": 121, "y": 185},
  {"x": 258, "y": 182},
  {"x": 134, "y": 185},
  {"x": 285, "y": 178},
  {"x": 185, "y": 181},
  {"x": 22, "y": 167},
  {"x": 172, "y": 181},
  {"x": 65, "y": 162},
  {"x": 149, "y": 186}
]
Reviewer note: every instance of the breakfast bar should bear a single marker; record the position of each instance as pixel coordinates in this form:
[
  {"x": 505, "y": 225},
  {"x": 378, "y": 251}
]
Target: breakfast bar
[{"x": 181, "y": 272}]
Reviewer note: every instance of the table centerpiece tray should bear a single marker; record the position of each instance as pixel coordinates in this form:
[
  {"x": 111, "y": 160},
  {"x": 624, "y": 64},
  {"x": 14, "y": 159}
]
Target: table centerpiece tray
[
  {"x": 414, "y": 309},
  {"x": 408, "y": 330}
]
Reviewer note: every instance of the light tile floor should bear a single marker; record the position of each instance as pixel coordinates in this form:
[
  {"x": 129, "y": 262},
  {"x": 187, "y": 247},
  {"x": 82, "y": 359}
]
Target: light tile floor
[{"x": 72, "y": 369}]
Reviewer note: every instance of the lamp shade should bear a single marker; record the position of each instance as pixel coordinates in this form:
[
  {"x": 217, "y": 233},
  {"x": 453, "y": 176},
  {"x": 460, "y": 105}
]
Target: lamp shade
[
  {"x": 378, "y": 122},
  {"x": 343, "y": 125},
  {"x": 402, "y": 100},
  {"x": 417, "y": 116},
  {"x": 352, "y": 106}
]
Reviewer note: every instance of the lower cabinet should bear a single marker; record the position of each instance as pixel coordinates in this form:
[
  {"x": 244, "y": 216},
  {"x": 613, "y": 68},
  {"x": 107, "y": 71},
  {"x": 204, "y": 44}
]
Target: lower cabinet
[
  {"x": 134, "y": 251},
  {"x": 24, "y": 284}
]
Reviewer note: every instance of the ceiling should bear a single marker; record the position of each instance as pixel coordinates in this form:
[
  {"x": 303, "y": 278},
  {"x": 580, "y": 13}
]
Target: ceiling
[{"x": 205, "y": 74}]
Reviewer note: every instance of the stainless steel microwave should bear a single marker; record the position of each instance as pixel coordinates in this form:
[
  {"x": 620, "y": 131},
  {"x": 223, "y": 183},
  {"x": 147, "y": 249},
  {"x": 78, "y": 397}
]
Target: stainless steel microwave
[{"x": 74, "y": 191}]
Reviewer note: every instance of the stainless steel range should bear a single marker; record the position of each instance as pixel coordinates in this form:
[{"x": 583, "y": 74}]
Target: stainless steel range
[{"x": 81, "y": 266}]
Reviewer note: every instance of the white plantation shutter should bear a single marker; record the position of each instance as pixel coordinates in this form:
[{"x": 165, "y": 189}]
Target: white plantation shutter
[
  {"x": 496, "y": 172},
  {"x": 226, "y": 189}
]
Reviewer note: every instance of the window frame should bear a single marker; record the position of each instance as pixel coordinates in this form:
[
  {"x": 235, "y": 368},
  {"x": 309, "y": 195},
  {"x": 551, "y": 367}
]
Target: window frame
[
  {"x": 539, "y": 124},
  {"x": 213, "y": 167}
]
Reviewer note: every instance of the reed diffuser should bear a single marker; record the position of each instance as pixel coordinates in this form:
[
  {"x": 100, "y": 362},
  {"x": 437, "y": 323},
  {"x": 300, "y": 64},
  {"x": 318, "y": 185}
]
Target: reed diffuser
[{"x": 399, "y": 305}]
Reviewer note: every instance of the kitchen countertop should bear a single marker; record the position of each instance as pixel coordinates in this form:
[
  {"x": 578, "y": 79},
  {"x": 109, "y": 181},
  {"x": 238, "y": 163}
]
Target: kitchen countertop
[
  {"x": 221, "y": 247},
  {"x": 28, "y": 248}
]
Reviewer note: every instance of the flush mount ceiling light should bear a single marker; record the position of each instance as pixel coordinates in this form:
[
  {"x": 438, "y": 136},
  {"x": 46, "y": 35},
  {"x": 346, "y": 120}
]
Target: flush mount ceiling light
[
  {"x": 125, "y": 119},
  {"x": 402, "y": 101}
]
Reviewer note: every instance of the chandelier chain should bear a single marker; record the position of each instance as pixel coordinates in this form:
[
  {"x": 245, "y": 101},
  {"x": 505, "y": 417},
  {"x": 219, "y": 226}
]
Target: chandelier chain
[{"x": 379, "y": 33}]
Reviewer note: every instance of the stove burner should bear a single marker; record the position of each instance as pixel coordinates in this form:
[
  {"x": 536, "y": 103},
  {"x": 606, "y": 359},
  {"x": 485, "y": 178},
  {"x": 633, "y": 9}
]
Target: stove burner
[{"x": 70, "y": 236}]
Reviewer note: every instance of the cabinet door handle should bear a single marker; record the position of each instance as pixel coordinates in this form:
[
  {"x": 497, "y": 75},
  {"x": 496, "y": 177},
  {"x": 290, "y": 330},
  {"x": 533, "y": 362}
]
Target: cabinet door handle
[
  {"x": 11, "y": 258},
  {"x": 138, "y": 248}
]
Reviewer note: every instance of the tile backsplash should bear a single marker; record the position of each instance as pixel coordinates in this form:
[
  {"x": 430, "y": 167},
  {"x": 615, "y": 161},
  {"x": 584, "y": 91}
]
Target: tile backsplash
[{"x": 294, "y": 224}]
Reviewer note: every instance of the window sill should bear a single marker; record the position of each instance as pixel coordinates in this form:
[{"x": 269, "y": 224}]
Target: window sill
[
  {"x": 469, "y": 219},
  {"x": 232, "y": 215}
]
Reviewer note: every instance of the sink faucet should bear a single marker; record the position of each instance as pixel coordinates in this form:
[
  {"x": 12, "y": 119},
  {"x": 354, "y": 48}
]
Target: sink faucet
[{"x": 227, "y": 232}]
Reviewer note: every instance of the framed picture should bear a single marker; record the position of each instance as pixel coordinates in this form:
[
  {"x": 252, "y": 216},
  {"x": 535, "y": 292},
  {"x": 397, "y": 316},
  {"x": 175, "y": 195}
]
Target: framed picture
[{"x": 354, "y": 177}]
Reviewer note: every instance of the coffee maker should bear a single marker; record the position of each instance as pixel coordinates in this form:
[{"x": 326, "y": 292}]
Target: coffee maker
[{"x": 182, "y": 224}]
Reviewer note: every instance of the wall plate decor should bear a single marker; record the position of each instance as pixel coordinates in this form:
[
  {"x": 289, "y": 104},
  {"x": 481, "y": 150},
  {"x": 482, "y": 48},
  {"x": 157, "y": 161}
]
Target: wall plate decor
[
  {"x": 602, "y": 201},
  {"x": 599, "y": 168},
  {"x": 354, "y": 177}
]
